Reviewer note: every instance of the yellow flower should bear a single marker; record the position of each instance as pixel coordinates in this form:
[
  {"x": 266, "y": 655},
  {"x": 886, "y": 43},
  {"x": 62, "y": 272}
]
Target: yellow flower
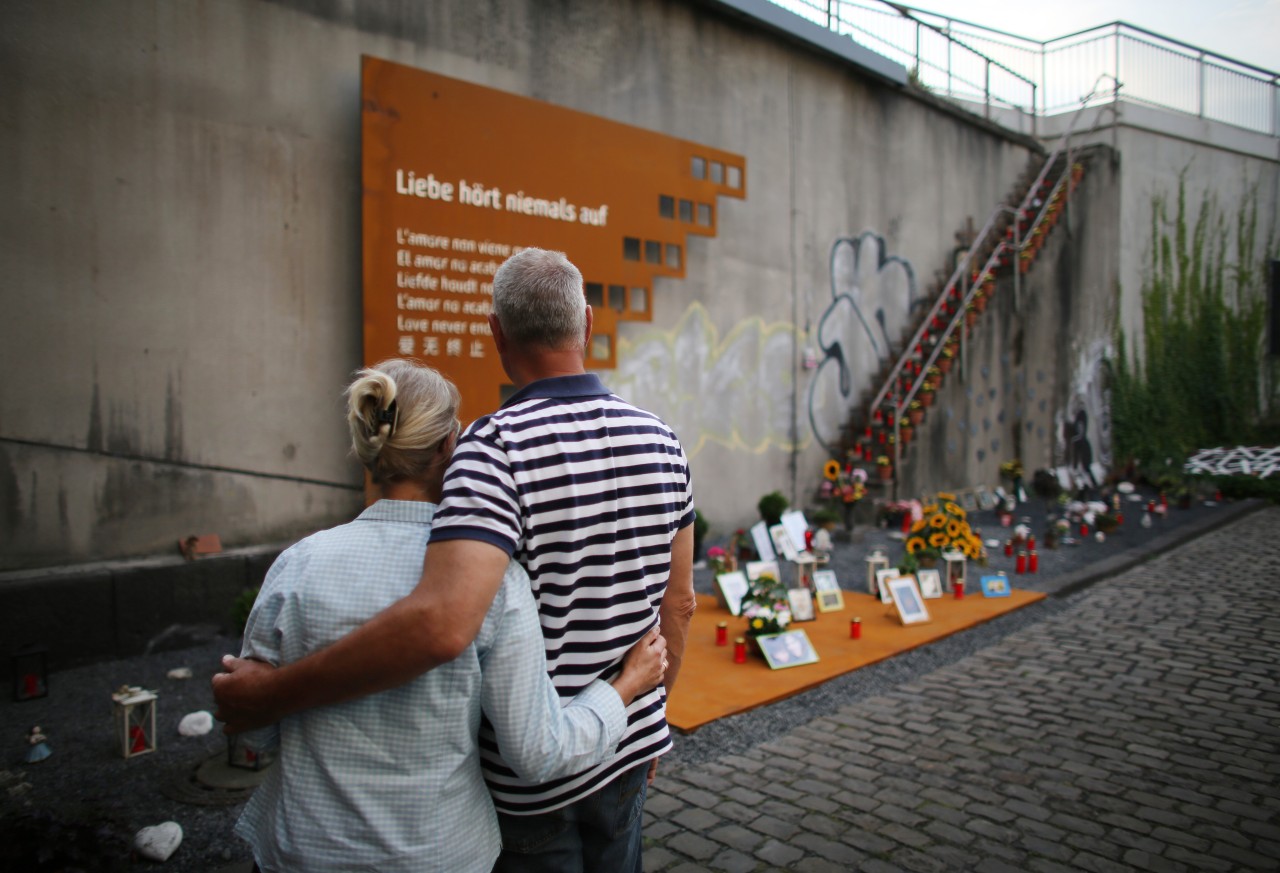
[
  {"x": 831, "y": 470},
  {"x": 918, "y": 526},
  {"x": 955, "y": 510},
  {"x": 930, "y": 509},
  {"x": 953, "y": 529},
  {"x": 945, "y": 495},
  {"x": 915, "y": 544},
  {"x": 938, "y": 540},
  {"x": 757, "y": 623},
  {"x": 938, "y": 521}
]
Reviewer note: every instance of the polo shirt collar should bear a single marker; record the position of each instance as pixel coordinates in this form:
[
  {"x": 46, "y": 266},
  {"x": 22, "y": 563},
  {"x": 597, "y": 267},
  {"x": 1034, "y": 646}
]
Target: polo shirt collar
[{"x": 560, "y": 387}]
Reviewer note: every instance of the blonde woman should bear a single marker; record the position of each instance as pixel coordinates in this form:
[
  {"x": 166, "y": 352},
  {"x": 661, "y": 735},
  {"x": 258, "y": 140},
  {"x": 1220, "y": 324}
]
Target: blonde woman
[{"x": 392, "y": 781}]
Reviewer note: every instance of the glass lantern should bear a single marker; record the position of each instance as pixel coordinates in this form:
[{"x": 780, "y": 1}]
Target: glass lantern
[
  {"x": 30, "y": 667},
  {"x": 954, "y": 564},
  {"x": 135, "y": 720},
  {"x": 877, "y": 560}
]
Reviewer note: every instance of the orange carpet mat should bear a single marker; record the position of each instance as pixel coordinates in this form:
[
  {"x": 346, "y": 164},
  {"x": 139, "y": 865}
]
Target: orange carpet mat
[{"x": 712, "y": 686}]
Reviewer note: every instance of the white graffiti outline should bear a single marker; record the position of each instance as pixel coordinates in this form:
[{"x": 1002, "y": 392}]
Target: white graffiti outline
[
  {"x": 1260, "y": 461},
  {"x": 833, "y": 381}
]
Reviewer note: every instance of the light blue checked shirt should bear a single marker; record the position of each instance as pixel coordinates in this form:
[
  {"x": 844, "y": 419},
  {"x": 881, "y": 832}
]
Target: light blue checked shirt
[{"x": 392, "y": 782}]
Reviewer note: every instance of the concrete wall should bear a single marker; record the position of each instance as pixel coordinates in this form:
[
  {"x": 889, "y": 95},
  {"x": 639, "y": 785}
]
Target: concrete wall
[
  {"x": 1163, "y": 149},
  {"x": 180, "y": 244}
]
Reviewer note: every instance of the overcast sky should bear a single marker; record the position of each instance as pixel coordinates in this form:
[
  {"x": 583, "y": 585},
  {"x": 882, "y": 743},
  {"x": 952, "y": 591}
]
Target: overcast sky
[{"x": 1244, "y": 30}]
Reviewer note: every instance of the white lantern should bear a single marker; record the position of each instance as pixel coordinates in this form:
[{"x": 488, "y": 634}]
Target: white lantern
[
  {"x": 135, "y": 720},
  {"x": 954, "y": 564},
  {"x": 877, "y": 560}
]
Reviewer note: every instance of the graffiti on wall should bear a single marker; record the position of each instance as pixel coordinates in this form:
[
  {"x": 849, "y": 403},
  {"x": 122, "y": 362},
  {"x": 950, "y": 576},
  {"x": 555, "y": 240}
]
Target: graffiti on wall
[
  {"x": 873, "y": 294},
  {"x": 1083, "y": 426},
  {"x": 734, "y": 391}
]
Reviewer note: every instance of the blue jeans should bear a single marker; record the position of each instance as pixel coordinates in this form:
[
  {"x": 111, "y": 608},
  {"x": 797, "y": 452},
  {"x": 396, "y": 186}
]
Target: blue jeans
[{"x": 600, "y": 832}]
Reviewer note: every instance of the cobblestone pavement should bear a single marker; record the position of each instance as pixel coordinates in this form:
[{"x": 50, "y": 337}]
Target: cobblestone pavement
[{"x": 1134, "y": 727}]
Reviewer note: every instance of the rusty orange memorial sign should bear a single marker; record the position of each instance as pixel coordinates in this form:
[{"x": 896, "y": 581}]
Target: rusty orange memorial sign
[{"x": 457, "y": 177}]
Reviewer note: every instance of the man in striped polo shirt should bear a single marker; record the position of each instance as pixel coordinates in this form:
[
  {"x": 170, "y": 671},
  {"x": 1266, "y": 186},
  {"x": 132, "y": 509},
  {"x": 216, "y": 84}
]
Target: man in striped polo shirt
[{"x": 593, "y": 496}]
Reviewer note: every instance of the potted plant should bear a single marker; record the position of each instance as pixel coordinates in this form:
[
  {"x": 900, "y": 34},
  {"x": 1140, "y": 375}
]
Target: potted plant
[
  {"x": 700, "y": 527},
  {"x": 915, "y": 412},
  {"x": 771, "y": 507},
  {"x": 884, "y": 466}
]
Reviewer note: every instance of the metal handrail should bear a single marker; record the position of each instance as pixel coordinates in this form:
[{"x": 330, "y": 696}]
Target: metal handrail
[
  {"x": 1258, "y": 111},
  {"x": 1025, "y": 209}
]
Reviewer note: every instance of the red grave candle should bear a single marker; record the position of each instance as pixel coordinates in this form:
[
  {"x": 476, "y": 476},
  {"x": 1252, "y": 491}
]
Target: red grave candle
[
  {"x": 855, "y": 629},
  {"x": 1033, "y": 562},
  {"x": 1022, "y": 562},
  {"x": 739, "y": 651},
  {"x": 722, "y": 634}
]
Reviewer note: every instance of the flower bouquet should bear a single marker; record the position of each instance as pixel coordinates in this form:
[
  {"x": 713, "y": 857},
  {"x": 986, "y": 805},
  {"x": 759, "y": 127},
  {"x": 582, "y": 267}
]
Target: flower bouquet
[
  {"x": 765, "y": 606},
  {"x": 944, "y": 526}
]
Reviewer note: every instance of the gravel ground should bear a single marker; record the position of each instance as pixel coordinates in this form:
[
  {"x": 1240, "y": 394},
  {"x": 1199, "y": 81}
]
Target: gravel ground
[{"x": 86, "y": 799}]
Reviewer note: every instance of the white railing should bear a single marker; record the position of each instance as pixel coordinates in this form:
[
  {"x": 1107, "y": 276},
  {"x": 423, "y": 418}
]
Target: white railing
[{"x": 968, "y": 62}]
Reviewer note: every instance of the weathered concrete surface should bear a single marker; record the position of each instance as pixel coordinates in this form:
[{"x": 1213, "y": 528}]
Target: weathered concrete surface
[
  {"x": 182, "y": 237},
  {"x": 180, "y": 246}
]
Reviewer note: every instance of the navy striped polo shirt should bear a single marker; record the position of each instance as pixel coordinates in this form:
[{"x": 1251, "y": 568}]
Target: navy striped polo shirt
[{"x": 587, "y": 492}]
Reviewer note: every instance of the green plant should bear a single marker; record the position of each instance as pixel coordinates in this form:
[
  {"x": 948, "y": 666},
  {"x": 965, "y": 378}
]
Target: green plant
[
  {"x": 909, "y": 564},
  {"x": 241, "y": 608},
  {"x": 1196, "y": 381},
  {"x": 826, "y": 516},
  {"x": 700, "y": 526},
  {"x": 771, "y": 507}
]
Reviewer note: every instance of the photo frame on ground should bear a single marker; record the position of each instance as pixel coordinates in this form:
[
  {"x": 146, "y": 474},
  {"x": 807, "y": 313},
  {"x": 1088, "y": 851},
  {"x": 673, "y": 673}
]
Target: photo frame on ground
[
  {"x": 906, "y": 596},
  {"x": 756, "y": 569},
  {"x": 782, "y": 544},
  {"x": 986, "y": 500},
  {"x": 968, "y": 500},
  {"x": 763, "y": 544},
  {"x": 830, "y": 601},
  {"x": 930, "y": 583},
  {"x": 882, "y": 583},
  {"x": 731, "y": 588},
  {"x": 801, "y": 602},
  {"x": 794, "y": 521},
  {"x": 787, "y": 649},
  {"x": 995, "y": 586},
  {"x": 825, "y": 580}
]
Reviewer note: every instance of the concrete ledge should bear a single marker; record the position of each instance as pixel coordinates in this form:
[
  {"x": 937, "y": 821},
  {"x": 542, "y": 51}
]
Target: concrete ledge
[{"x": 95, "y": 612}]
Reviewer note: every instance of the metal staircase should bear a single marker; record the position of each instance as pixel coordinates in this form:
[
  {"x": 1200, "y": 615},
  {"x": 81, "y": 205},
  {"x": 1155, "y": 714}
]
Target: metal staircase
[{"x": 1008, "y": 244}]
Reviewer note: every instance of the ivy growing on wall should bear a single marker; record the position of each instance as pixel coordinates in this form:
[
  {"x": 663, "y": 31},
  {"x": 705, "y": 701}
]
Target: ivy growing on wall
[{"x": 1197, "y": 383}]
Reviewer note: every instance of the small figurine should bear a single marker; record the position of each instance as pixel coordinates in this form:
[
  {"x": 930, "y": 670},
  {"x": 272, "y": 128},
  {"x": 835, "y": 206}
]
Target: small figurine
[{"x": 39, "y": 748}]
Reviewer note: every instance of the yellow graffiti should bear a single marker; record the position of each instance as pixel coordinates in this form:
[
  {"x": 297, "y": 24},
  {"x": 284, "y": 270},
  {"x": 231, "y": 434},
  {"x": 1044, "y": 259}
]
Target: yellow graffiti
[{"x": 734, "y": 392}]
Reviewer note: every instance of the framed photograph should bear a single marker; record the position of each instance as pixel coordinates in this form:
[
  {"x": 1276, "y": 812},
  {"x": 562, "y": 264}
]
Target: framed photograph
[
  {"x": 882, "y": 583},
  {"x": 986, "y": 500},
  {"x": 968, "y": 500},
  {"x": 731, "y": 587},
  {"x": 825, "y": 580},
  {"x": 930, "y": 584},
  {"x": 830, "y": 601},
  {"x": 764, "y": 546},
  {"x": 756, "y": 569},
  {"x": 801, "y": 601},
  {"x": 782, "y": 544},
  {"x": 794, "y": 521},
  {"x": 995, "y": 586},
  {"x": 787, "y": 649},
  {"x": 906, "y": 596}
]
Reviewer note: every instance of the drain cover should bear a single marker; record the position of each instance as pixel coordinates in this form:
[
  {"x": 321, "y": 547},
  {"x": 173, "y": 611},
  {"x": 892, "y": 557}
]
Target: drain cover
[{"x": 213, "y": 783}]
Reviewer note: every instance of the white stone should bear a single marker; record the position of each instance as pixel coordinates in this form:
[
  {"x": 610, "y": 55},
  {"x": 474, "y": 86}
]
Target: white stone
[
  {"x": 158, "y": 842},
  {"x": 196, "y": 724},
  {"x": 179, "y": 673}
]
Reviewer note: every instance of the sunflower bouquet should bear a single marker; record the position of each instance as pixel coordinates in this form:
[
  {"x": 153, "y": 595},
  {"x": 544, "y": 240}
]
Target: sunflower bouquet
[{"x": 944, "y": 526}]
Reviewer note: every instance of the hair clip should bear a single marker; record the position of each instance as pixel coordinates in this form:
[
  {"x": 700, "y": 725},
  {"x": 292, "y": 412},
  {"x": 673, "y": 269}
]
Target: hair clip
[{"x": 387, "y": 416}]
